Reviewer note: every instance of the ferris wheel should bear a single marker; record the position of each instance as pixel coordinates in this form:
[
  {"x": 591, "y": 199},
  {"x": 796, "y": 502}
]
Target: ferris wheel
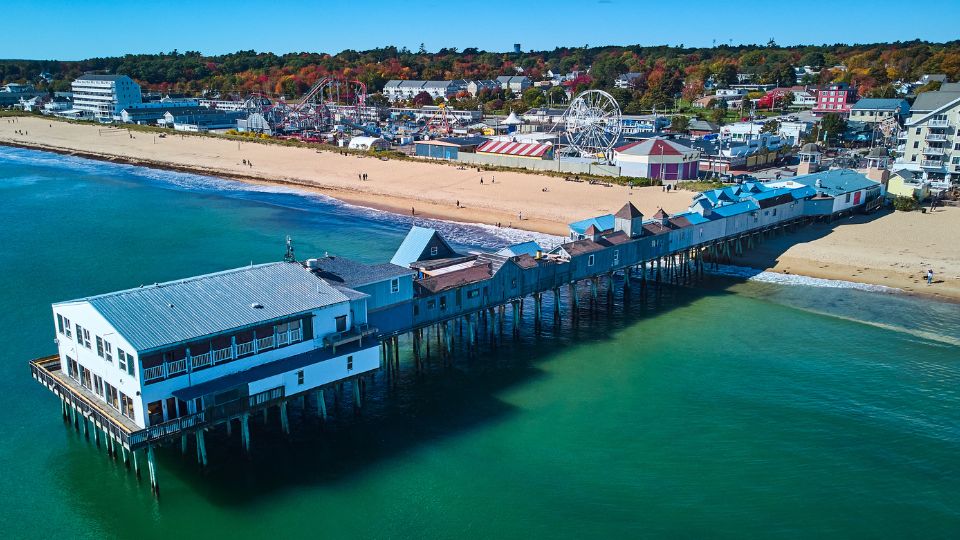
[{"x": 593, "y": 124}]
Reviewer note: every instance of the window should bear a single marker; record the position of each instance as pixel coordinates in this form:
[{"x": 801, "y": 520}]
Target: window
[
  {"x": 473, "y": 294},
  {"x": 59, "y": 323},
  {"x": 917, "y": 132},
  {"x": 98, "y": 385},
  {"x": 341, "y": 323},
  {"x": 300, "y": 377},
  {"x": 155, "y": 412},
  {"x": 85, "y": 379},
  {"x": 121, "y": 359},
  {"x": 590, "y": 260},
  {"x": 848, "y": 197},
  {"x": 126, "y": 406},
  {"x": 913, "y": 157},
  {"x": 616, "y": 256},
  {"x": 443, "y": 302},
  {"x": 774, "y": 211},
  {"x": 83, "y": 336},
  {"x": 431, "y": 304},
  {"x": 131, "y": 365},
  {"x": 513, "y": 283},
  {"x": 73, "y": 369},
  {"x": 350, "y": 363},
  {"x": 394, "y": 285},
  {"x": 916, "y": 144},
  {"x": 113, "y": 398},
  {"x": 100, "y": 346},
  {"x": 433, "y": 251},
  {"x": 107, "y": 351}
]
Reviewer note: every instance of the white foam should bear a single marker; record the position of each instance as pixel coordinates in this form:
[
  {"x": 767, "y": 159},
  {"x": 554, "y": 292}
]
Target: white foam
[
  {"x": 752, "y": 274},
  {"x": 476, "y": 235}
]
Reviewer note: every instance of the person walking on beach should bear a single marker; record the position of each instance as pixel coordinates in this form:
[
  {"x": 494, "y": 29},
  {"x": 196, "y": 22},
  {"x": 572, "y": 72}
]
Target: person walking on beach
[
  {"x": 413, "y": 211},
  {"x": 481, "y": 180},
  {"x": 930, "y": 276},
  {"x": 520, "y": 215},
  {"x": 458, "y": 203}
]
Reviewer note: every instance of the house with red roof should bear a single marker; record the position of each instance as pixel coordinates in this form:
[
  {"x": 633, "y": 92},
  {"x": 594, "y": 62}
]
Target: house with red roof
[{"x": 658, "y": 158}]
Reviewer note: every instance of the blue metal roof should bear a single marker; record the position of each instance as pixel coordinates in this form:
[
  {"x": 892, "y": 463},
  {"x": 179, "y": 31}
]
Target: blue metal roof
[
  {"x": 836, "y": 182},
  {"x": 525, "y": 248},
  {"x": 728, "y": 210},
  {"x": 413, "y": 246},
  {"x": 604, "y": 223},
  {"x": 178, "y": 311},
  {"x": 880, "y": 104},
  {"x": 693, "y": 217}
]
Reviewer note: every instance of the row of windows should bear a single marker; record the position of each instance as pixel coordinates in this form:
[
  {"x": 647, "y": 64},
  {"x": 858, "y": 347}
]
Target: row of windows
[
  {"x": 125, "y": 361},
  {"x": 102, "y": 389}
]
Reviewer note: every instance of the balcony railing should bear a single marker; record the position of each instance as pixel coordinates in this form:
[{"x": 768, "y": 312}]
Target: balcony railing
[
  {"x": 932, "y": 163},
  {"x": 177, "y": 367},
  {"x": 934, "y": 151},
  {"x": 935, "y": 137},
  {"x": 222, "y": 355},
  {"x": 153, "y": 373},
  {"x": 200, "y": 360},
  {"x": 244, "y": 349},
  {"x": 938, "y": 123},
  {"x": 219, "y": 356}
]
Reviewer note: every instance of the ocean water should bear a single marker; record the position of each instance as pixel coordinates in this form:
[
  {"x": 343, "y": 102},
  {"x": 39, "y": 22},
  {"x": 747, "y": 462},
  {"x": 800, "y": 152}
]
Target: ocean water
[{"x": 740, "y": 408}]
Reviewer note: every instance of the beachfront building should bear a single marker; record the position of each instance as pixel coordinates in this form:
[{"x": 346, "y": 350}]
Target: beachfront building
[
  {"x": 876, "y": 110},
  {"x": 161, "y": 352},
  {"x": 931, "y": 137},
  {"x": 447, "y": 147},
  {"x": 658, "y": 158},
  {"x": 102, "y": 97},
  {"x": 14, "y": 93}
]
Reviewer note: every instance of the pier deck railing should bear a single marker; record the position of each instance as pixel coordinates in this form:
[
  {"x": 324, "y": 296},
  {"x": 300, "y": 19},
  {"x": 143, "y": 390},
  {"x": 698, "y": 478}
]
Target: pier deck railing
[
  {"x": 207, "y": 417},
  {"x": 44, "y": 371}
]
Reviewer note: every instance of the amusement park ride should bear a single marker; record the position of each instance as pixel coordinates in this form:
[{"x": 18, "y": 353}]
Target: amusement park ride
[{"x": 592, "y": 124}]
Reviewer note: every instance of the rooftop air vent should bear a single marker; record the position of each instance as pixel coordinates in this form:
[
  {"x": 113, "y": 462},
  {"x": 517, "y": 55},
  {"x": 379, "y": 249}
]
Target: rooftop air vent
[{"x": 256, "y": 305}]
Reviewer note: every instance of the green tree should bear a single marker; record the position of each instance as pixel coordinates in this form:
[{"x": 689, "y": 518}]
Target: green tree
[
  {"x": 680, "y": 124},
  {"x": 557, "y": 95},
  {"x": 833, "y": 125},
  {"x": 813, "y": 59},
  {"x": 533, "y": 97},
  {"x": 771, "y": 126}
]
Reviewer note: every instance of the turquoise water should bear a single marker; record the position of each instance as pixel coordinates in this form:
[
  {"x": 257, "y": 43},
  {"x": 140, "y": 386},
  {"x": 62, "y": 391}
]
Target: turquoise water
[{"x": 733, "y": 410}]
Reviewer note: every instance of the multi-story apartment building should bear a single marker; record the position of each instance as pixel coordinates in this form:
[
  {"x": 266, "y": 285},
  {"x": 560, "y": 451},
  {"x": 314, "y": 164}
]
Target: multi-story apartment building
[
  {"x": 931, "y": 144},
  {"x": 835, "y": 98},
  {"x": 104, "y": 96}
]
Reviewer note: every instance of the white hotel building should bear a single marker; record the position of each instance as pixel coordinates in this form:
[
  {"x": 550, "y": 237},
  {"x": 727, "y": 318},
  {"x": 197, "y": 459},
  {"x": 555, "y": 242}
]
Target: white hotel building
[
  {"x": 102, "y": 97},
  {"x": 162, "y": 361}
]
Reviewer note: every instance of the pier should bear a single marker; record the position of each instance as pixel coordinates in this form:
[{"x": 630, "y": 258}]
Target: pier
[{"x": 355, "y": 318}]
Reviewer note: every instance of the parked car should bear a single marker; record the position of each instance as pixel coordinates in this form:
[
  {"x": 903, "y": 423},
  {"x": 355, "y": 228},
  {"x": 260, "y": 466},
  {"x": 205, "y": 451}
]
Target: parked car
[{"x": 743, "y": 177}]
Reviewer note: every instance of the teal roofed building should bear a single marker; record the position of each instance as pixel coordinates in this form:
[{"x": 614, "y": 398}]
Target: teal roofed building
[
  {"x": 578, "y": 229},
  {"x": 876, "y": 110},
  {"x": 422, "y": 244}
]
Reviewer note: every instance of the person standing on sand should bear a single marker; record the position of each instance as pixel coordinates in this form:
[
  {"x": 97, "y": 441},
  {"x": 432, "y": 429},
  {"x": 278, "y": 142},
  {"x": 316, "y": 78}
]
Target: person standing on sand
[
  {"x": 458, "y": 203},
  {"x": 413, "y": 211},
  {"x": 481, "y": 180},
  {"x": 930, "y": 276}
]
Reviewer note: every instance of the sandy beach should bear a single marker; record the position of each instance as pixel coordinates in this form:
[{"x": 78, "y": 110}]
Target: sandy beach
[
  {"x": 891, "y": 249},
  {"x": 432, "y": 189}
]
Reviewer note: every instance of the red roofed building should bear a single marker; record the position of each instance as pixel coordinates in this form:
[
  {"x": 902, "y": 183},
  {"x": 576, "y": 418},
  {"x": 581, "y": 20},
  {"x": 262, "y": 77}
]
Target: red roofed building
[
  {"x": 516, "y": 149},
  {"x": 660, "y": 159}
]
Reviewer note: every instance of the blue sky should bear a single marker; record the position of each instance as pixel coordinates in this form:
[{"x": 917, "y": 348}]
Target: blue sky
[{"x": 68, "y": 30}]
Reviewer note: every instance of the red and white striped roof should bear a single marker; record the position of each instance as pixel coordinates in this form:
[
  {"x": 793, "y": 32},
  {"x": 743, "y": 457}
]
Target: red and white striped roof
[{"x": 511, "y": 148}]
